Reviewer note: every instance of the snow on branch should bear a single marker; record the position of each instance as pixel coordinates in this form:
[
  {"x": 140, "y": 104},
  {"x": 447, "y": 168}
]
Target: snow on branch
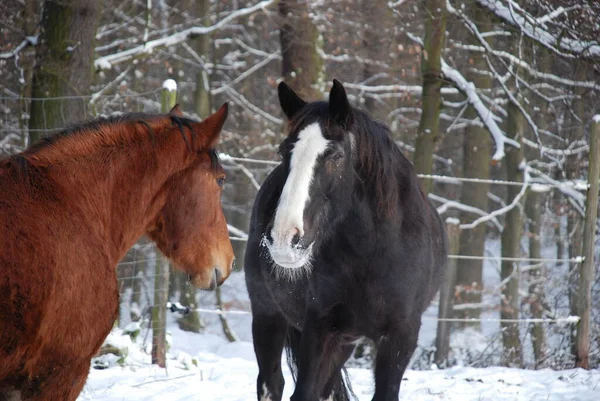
[
  {"x": 470, "y": 91},
  {"x": 485, "y": 114},
  {"x": 245, "y": 74},
  {"x": 412, "y": 89},
  {"x": 533, "y": 29},
  {"x": 507, "y": 208},
  {"x": 106, "y": 62},
  {"x": 237, "y": 232},
  {"x": 238, "y": 98},
  {"x": 28, "y": 41},
  {"x": 557, "y": 152},
  {"x": 527, "y": 67},
  {"x": 447, "y": 204},
  {"x": 575, "y": 198}
]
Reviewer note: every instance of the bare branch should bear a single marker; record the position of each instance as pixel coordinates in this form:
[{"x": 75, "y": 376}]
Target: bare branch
[
  {"x": 534, "y": 30},
  {"x": 108, "y": 61}
]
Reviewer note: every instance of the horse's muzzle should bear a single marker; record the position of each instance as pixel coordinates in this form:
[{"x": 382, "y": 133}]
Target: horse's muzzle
[{"x": 217, "y": 279}]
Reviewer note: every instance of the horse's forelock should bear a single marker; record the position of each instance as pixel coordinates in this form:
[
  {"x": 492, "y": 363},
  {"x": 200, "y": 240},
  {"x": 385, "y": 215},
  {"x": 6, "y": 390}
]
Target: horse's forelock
[{"x": 377, "y": 156}]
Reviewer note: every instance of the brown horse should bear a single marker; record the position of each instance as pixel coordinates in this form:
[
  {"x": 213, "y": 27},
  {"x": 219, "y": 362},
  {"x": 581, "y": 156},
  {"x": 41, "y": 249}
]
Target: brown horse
[{"x": 70, "y": 208}]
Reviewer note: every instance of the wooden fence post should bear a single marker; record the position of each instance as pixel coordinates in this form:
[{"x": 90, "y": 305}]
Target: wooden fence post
[
  {"x": 586, "y": 275},
  {"x": 536, "y": 300},
  {"x": 442, "y": 339},
  {"x": 161, "y": 280},
  {"x": 169, "y": 96}
]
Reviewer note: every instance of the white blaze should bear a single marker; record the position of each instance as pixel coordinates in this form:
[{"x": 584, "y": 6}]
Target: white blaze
[{"x": 289, "y": 216}]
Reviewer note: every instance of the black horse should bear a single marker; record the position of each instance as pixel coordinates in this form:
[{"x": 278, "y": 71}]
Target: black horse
[{"x": 343, "y": 244}]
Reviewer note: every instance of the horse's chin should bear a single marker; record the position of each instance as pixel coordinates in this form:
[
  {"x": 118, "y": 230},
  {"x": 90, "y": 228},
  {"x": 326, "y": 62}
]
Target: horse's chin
[
  {"x": 291, "y": 258},
  {"x": 295, "y": 264}
]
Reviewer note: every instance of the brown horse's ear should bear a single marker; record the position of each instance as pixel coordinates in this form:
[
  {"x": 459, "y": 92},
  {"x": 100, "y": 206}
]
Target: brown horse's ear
[
  {"x": 176, "y": 110},
  {"x": 211, "y": 126}
]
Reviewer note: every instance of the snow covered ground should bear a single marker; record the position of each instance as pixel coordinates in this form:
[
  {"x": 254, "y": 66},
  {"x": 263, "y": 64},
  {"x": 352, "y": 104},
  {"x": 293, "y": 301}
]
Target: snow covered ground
[{"x": 206, "y": 367}]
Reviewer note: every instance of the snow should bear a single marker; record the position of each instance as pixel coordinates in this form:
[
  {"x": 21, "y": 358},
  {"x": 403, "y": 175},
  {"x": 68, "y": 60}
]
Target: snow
[
  {"x": 207, "y": 367},
  {"x": 596, "y": 118},
  {"x": 170, "y": 85},
  {"x": 537, "y": 32},
  {"x": 540, "y": 188},
  {"x": 106, "y": 62},
  {"x": 452, "y": 220},
  {"x": 228, "y": 373}
]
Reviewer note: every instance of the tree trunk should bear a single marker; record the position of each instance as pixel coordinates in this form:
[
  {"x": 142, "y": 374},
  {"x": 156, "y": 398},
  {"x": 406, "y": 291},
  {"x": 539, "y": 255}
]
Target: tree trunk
[
  {"x": 431, "y": 70},
  {"x": 31, "y": 14},
  {"x": 511, "y": 236},
  {"x": 477, "y": 150},
  {"x": 378, "y": 21},
  {"x": 543, "y": 112},
  {"x": 574, "y": 219},
  {"x": 202, "y": 101},
  {"x": 302, "y": 67},
  {"x": 227, "y": 330},
  {"x": 187, "y": 297},
  {"x": 587, "y": 268},
  {"x": 442, "y": 338},
  {"x": 64, "y": 64},
  {"x": 159, "y": 313},
  {"x": 536, "y": 288}
]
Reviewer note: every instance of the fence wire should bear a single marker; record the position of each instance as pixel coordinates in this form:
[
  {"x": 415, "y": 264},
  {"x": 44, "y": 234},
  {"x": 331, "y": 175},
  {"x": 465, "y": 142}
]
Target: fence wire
[{"x": 137, "y": 271}]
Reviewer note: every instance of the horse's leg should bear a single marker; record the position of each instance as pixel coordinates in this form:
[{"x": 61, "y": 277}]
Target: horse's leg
[
  {"x": 268, "y": 333},
  {"x": 318, "y": 346},
  {"x": 338, "y": 358},
  {"x": 393, "y": 355},
  {"x": 309, "y": 358}
]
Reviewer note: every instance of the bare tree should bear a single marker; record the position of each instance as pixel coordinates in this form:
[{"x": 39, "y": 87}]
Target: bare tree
[
  {"x": 302, "y": 67},
  {"x": 64, "y": 58},
  {"x": 431, "y": 69},
  {"x": 477, "y": 148}
]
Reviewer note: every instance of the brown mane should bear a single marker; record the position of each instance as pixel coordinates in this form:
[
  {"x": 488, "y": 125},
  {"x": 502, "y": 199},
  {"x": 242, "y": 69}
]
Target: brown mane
[{"x": 83, "y": 139}]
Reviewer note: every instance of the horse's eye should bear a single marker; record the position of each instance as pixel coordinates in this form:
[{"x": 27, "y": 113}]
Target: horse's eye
[
  {"x": 336, "y": 157},
  {"x": 221, "y": 181}
]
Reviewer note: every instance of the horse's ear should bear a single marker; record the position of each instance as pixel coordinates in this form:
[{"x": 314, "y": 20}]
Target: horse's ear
[
  {"x": 339, "y": 107},
  {"x": 288, "y": 99},
  {"x": 211, "y": 126},
  {"x": 176, "y": 110}
]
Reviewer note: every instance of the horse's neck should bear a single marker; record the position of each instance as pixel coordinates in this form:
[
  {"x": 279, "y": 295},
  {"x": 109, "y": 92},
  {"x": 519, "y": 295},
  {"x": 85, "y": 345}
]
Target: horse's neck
[{"x": 121, "y": 194}]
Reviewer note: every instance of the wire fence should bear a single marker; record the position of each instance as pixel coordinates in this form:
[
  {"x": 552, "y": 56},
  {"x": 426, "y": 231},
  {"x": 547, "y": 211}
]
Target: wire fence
[{"x": 137, "y": 272}]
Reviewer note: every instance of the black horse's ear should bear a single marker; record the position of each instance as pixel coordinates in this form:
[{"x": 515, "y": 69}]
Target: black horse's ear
[
  {"x": 289, "y": 101},
  {"x": 339, "y": 107}
]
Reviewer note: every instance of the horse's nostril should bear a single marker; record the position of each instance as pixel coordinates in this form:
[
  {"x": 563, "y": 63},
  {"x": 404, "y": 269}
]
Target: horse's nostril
[
  {"x": 296, "y": 240},
  {"x": 218, "y": 276}
]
